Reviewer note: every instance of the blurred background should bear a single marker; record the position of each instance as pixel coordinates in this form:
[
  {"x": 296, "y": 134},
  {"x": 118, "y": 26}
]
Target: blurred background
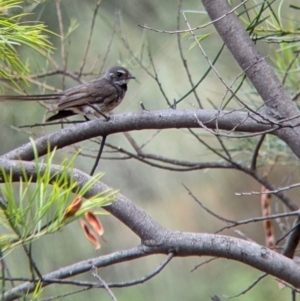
[{"x": 118, "y": 39}]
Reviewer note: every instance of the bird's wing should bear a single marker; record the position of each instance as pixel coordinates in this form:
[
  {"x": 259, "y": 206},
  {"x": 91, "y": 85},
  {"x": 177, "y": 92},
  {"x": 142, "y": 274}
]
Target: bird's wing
[{"x": 96, "y": 91}]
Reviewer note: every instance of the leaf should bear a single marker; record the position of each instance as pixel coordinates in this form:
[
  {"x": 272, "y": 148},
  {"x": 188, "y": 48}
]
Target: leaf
[
  {"x": 90, "y": 234},
  {"x": 73, "y": 207},
  {"x": 47, "y": 203},
  {"x": 200, "y": 38},
  {"x": 15, "y": 33},
  {"x": 94, "y": 222}
]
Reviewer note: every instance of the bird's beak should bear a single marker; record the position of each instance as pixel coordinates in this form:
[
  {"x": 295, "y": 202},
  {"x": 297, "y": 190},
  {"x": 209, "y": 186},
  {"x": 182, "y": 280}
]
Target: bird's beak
[{"x": 131, "y": 76}]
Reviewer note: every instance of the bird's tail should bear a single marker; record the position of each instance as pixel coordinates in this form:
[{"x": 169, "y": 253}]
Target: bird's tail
[{"x": 45, "y": 97}]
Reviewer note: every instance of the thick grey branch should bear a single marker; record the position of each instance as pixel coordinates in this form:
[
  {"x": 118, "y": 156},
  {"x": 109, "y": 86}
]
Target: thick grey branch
[
  {"x": 277, "y": 102},
  {"x": 167, "y": 119},
  {"x": 156, "y": 239}
]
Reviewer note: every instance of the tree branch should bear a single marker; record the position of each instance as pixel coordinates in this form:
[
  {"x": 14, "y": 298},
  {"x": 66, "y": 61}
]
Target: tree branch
[
  {"x": 166, "y": 119},
  {"x": 278, "y": 103},
  {"x": 156, "y": 239}
]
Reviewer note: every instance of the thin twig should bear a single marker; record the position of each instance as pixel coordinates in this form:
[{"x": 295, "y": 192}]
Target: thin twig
[
  {"x": 205, "y": 208},
  {"x": 106, "y": 287},
  {"x": 249, "y": 287},
  {"x": 184, "y": 61},
  {"x": 258, "y": 219},
  {"x": 203, "y": 263},
  {"x": 99, "y": 155},
  {"x": 195, "y": 28},
  {"x": 268, "y": 192},
  {"x": 62, "y": 39},
  {"x": 256, "y": 151},
  {"x": 87, "y": 48}
]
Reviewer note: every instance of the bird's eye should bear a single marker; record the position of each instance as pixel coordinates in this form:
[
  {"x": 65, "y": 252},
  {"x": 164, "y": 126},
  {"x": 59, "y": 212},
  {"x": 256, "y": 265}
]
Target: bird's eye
[{"x": 119, "y": 74}]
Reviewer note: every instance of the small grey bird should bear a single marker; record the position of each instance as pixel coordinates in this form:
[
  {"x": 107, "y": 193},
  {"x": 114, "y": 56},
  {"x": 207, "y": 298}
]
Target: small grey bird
[{"x": 101, "y": 95}]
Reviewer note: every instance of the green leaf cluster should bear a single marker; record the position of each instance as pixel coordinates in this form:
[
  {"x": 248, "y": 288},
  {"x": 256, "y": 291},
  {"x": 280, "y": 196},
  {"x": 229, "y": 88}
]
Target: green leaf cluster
[
  {"x": 37, "y": 205},
  {"x": 14, "y": 33}
]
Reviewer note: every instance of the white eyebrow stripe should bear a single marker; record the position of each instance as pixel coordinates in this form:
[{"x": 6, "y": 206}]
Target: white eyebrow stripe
[{"x": 121, "y": 71}]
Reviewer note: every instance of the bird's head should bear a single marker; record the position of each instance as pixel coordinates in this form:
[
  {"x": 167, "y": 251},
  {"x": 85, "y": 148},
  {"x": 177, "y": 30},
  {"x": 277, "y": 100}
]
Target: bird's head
[{"x": 118, "y": 75}]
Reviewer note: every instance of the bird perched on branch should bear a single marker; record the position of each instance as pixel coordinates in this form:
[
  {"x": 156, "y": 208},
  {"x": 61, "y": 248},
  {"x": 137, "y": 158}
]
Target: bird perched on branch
[{"x": 98, "y": 97}]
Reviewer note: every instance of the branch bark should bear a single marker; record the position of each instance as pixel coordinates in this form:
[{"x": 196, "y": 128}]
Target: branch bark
[
  {"x": 166, "y": 119},
  {"x": 156, "y": 239},
  {"x": 278, "y": 104}
]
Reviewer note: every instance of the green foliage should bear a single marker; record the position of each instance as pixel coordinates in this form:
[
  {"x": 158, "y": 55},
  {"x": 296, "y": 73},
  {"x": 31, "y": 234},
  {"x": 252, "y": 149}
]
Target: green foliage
[
  {"x": 15, "y": 33},
  {"x": 38, "y": 204},
  {"x": 73, "y": 26},
  {"x": 201, "y": 38},
  {"x": 274, "y": 24}
]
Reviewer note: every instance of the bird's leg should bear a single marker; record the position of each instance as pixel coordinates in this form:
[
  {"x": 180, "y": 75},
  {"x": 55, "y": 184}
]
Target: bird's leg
[
  {"x": 174, "y": 105},
  {"x": 142, "y": 106},
  {"x": 99, "y": 112}
]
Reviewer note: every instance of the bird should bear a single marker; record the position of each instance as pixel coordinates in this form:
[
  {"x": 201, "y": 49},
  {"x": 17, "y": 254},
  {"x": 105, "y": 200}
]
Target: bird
[{"x": 97, "y": 97}]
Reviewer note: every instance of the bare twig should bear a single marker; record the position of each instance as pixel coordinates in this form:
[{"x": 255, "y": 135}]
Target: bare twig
[
  {"x": 268, "y": 192},
  {"x": 183, "y": 59},
  {"x": 106, "y": 287},
  {"x": 62, "y": 39},
  {"x": 258, "y": 219},
  {"x": 249, "y": 287},
  {"x": 88, "y": 43},
  {"x": 98, "y": 155},
  {"x": 206, "y": 209},
  {"x": 203, "y": 263},
  {"x": 256, "y": 151},
  {"x": 195, "y": 28}
]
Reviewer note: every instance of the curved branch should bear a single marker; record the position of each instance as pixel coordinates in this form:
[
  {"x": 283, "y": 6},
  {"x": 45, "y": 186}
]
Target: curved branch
[
  {"x": 166, "y": 119},
  {"x": 278, "y": 103},
  {"x": 156, "y": 239}
]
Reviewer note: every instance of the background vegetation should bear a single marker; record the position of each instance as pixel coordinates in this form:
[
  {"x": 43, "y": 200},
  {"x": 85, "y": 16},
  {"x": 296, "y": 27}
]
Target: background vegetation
[{"x": 86, "y": 38}]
